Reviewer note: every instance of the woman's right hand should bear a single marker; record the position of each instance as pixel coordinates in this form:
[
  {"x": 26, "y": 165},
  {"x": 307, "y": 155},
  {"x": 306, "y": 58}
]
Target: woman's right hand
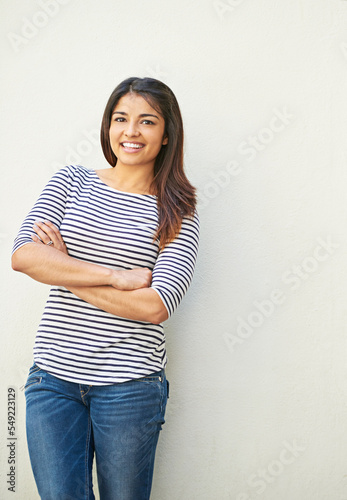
[{"x": 132, "y": 279}]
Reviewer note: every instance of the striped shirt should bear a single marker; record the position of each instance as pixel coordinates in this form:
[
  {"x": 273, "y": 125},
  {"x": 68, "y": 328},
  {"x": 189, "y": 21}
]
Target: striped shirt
[{"x": 77, "y": 341}]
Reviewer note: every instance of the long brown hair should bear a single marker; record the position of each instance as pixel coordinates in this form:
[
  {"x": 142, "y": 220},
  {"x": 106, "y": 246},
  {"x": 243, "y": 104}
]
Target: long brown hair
[{"x": 176, "y": 197}]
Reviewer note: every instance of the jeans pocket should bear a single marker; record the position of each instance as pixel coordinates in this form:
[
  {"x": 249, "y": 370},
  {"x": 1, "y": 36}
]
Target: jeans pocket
[
  {"x": 32, "y": 381},
  {"x": 34, "y": 369},
  {"x": 158, "y": 381},
  {"x": 33, "y": 377}
]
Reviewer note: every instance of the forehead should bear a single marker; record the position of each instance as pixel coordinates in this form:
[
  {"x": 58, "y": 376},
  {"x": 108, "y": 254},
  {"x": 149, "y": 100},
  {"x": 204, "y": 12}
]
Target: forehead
[{"x": 133, "y": 102}]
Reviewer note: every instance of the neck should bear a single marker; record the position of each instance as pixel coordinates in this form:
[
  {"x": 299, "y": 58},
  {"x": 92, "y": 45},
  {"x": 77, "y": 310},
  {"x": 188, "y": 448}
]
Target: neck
[{"x": 132, "y": 178}]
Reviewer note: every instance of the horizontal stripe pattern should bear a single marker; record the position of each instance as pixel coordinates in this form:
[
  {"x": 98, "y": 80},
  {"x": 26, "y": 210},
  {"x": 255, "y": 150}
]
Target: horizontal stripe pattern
[{"x": 77, "y": 341}]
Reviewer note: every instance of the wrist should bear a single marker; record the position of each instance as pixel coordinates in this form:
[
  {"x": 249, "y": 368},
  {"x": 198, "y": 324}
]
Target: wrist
[{"x": 114, "y": 278}]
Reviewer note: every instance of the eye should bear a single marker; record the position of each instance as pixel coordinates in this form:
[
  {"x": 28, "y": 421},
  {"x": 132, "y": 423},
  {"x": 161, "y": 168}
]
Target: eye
[
  {"x": 148, "y": 122},
  {"x": 119, "y": 119}
]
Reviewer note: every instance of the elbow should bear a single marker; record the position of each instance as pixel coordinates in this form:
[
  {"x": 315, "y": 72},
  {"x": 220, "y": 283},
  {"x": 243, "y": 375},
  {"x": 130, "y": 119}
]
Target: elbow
[
  {"x": 20, "y": 258},
  {"x": 159, "y": 316},
  {"x": 156, "y": 310},
  {"x": 16, "y": 262}
]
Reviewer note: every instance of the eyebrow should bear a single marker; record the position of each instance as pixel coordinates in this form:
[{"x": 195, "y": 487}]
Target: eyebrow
[{"x": 141, "y": 116}]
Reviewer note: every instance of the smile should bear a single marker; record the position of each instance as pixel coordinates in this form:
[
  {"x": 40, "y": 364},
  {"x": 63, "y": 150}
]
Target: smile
[{"x": 132, "y": 145}]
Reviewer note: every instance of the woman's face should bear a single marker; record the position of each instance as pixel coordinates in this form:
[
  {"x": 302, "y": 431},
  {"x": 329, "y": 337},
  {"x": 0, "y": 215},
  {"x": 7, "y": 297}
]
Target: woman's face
[{"x": 136, "y": 132}]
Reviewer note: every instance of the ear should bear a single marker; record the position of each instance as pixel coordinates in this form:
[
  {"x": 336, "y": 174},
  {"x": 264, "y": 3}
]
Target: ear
[{"x": 165, "y": 141}]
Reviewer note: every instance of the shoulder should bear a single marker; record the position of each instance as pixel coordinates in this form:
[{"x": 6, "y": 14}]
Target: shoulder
[
  {"x": 75, "y": 169},
  {"x": 71, "y": 172}
]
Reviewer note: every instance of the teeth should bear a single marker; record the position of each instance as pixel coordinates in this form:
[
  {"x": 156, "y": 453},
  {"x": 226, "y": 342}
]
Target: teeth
[{"x": 131, "y": 145}]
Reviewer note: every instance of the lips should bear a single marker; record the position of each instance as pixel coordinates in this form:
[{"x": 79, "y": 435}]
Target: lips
[{"x": 132, "y": 147}]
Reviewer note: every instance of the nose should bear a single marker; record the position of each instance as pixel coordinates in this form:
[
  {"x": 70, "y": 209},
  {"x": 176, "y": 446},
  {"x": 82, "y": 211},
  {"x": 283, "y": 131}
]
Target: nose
[{"x": 131, "y": 129}]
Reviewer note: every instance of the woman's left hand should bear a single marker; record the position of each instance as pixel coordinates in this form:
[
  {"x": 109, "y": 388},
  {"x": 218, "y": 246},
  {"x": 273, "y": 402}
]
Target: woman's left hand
[{"x": 48, "y": 233}]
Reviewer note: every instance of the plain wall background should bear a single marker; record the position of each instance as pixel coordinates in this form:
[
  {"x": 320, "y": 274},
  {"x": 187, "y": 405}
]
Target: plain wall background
[{"x": 257, "y": 349}]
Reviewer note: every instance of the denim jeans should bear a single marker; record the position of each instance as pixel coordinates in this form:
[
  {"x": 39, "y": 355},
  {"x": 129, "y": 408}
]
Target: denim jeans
[{"x": 67, "y": 423}]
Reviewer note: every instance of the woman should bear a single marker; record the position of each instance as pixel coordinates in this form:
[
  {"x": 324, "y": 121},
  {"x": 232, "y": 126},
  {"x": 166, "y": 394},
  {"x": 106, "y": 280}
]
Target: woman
[{"x": 119, "y": 247}]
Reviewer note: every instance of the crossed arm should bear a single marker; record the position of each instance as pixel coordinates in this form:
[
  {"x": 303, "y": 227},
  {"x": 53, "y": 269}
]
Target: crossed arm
[{"x": 123, "y": 293}]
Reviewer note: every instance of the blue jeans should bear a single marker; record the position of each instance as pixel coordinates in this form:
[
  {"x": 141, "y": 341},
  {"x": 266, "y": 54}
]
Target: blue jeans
[{"x": 68, "y": 422}]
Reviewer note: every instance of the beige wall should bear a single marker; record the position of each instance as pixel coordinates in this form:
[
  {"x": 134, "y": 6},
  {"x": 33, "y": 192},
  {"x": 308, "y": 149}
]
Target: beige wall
[{"x": 257, "y": 350}]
